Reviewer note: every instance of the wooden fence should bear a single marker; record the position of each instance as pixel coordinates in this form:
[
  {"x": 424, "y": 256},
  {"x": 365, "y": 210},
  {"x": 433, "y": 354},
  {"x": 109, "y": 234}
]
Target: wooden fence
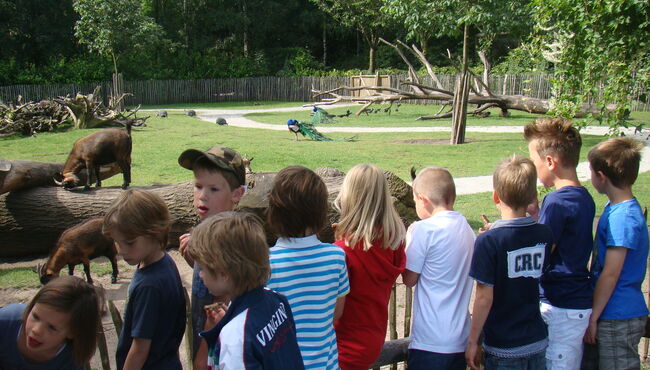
[{"x": 158, "y": 92}]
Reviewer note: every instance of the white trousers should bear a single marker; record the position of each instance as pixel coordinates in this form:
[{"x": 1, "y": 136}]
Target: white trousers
[{"x": 566, "y": 328}]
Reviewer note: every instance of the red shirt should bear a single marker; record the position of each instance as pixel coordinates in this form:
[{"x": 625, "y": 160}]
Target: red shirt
[{"x": 361, "y": 330}]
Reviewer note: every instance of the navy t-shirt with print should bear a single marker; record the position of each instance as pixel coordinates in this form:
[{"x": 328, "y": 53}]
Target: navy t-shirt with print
[
  {"x": 510, "y": 257},
  {"x": 569, "y": 212}
]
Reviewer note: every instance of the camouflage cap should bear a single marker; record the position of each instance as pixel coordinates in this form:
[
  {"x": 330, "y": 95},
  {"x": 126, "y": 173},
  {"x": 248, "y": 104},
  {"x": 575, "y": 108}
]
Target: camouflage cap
[{"x": 223, "y": 157}]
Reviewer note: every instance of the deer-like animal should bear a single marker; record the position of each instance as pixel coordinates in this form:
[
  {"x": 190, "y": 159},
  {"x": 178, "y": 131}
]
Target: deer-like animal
[{"x": 79, "y": 244}]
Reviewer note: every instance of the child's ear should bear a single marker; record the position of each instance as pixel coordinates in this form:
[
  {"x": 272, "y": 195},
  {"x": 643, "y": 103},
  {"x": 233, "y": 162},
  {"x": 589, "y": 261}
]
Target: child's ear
[
  {"x": 237, "y": 194},
  {"x": 495, "y": 197},
  {"x": 550, "y": 162}
]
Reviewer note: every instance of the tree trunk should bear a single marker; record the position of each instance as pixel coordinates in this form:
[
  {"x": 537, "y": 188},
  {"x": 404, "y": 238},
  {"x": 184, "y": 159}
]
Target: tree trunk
[
  {"x": 324, "y": 41},
  {"x": 459, "y": 112},
  {"x": 32, "y": 220},
  {"x": 371, "y": 59},
  {"x": 17, "y": 175}
]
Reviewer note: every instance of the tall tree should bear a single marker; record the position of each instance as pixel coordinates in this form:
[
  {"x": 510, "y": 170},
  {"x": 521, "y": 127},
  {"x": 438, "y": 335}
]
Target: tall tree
[
  {"x": 115, "y": 27},
  {"x": 599, "y": 49},
  {"x": 485, "y": 18},
  {"x": 362, "y": 15}
]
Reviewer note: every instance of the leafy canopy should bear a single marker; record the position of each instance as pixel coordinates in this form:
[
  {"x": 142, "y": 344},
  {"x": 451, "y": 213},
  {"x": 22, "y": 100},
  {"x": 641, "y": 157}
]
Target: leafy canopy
[
  {"x": 115, "y": 27},
  {"x": 600, "y": 49}
]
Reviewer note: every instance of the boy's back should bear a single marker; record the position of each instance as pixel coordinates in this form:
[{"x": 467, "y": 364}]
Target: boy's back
[
  {"x": 312, "y": 275},
  {"x": 623, "y": 224},
  {"x": 439, "y": 248},
  {"x": 155, "y": 310},
  {"x": 569, "y": 212},
  {"x": 510, "y": 258}
]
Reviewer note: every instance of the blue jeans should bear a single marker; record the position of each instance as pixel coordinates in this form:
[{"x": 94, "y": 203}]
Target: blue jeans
[
  {"x": 534, "y": 362},
  {"x": 425, "y": 360}
]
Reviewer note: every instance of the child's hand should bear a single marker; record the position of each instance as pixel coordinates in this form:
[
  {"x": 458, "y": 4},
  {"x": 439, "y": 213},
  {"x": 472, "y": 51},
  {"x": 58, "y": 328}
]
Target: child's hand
[
  {"x": 214, "y": 313},
  {"x": 471, "y": 356},
  {"x": 590, "y": 334},
  {"x": 486, "y": 224},
  {"x": 183, "y": 244}
]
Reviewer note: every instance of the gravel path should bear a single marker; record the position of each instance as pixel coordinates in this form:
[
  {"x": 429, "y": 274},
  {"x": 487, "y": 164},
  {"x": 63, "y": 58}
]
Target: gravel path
[{"x": 464, "y": 185}]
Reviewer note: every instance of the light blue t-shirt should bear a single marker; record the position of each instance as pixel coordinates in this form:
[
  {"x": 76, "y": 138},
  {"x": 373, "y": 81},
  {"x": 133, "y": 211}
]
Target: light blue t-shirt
[
  {"x": 623, "y": 225},
  {"x": 312, "y": 275}
]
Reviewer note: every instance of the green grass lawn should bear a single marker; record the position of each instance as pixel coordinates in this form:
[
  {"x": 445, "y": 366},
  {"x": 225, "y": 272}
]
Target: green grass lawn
[
  {"x": 157, "y": 146},
  {"x": 408, "y": 114},
  {"x": 25, "y": 277}
]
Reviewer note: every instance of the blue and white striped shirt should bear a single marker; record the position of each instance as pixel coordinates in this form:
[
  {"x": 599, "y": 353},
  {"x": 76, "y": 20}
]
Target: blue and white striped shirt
[{"x": 312, "y": 275}]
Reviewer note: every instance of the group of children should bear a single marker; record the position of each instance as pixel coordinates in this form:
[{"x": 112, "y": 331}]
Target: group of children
[{"x": 307, "y": 304}]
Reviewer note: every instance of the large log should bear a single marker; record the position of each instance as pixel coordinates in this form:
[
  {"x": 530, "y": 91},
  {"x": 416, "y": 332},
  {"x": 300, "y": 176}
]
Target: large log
[
  {"x": 16, "y": 175},
  {"x": 32, "y": 220}
]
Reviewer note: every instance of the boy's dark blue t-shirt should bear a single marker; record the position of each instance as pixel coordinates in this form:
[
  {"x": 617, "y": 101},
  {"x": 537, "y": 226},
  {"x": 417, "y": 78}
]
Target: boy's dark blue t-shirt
[
  {"x": 10, "y": 356},
  {"x": 569, "y": 212},
  {"x": 510, "y": 257},
  {"x": 155, "y": 310}
]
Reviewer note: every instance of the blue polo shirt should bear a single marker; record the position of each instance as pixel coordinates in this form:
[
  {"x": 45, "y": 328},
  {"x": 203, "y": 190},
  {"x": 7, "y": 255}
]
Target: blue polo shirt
[
  {"x": 510, "y": 257},
  {"x": 623, "y": 225},
  {"x": 569, "y": 212}
]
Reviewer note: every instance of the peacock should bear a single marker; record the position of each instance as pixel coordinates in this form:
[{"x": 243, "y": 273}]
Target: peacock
[{"x": 308, "y": 129}]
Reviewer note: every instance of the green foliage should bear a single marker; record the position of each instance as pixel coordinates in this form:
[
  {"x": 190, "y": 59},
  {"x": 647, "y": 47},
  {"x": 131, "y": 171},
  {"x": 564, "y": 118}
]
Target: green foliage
[
  {"x": 301, "y": 62},
  {"x": 600, "y": 48},
  {"x": 115, "y": 27},
  {"x": 524, "y": 59}
]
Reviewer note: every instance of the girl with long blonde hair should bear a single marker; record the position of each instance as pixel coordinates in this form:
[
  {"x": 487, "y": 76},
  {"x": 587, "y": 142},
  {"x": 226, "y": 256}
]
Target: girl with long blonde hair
[{"x": 371, "y": 233}]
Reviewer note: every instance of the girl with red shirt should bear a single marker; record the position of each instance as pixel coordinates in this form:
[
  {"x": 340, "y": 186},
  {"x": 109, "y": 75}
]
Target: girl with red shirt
[{"x": 371, "y": 233}]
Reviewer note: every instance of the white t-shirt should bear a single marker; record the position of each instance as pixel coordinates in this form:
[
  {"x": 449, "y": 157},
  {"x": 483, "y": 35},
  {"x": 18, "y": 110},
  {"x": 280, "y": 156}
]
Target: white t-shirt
[{"x": 439, "y": 248}]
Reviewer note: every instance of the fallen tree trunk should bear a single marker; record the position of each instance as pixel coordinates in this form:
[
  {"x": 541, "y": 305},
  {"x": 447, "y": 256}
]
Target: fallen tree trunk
[
  {"x": 16, "y": 175},
  {"x": 32, "y": 220}
]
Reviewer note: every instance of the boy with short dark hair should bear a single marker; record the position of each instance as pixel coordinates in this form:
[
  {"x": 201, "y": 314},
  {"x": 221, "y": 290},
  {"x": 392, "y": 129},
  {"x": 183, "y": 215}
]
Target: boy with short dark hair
[
  {"x": 257, "y": 331},
  {"x": 620, "y": 259},
  {"x": 219, "y": 179},
  {"x": 154, "y": 318},
  {"x": 507, "y": 263},
  {"x": 565, "y": 287},
  {"x": 438, "y": 257}
]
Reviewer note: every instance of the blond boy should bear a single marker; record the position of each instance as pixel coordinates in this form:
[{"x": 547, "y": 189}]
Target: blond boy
[
  {"x": 438, "y": 257},
  {"x": 619, "y": 264},
  {"x": 219, "y": 179},
  {"x": 565, "y": 287},
  {"x": 258, "y": 330},
  {"x": 507, "y": 264}
]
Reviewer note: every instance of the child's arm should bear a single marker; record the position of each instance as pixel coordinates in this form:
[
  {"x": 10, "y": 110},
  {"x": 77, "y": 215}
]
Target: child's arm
[
  {"x": 338, "y": 309},
  {"x": 482, "y": 305},
  {"x": 614, "y": 260},
  {"x": 137, "y": 354},
  {"x": 410, "y": 278}
]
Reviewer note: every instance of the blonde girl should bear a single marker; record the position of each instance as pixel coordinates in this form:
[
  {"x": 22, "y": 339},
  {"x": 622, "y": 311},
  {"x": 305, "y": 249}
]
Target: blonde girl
[
  {"x": 56, "y": 330},
  {"x": 371, "y": 233}
]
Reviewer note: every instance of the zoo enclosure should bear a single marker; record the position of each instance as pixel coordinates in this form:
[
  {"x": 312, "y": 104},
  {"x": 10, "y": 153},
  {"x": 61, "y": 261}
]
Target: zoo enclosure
[{"x": 158, "y": 92}]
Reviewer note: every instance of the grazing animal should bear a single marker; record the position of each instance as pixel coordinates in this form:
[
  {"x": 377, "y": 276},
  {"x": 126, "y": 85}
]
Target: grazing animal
[
  {"x": 162, "y": 114},
  {"x": 221, "y": 121},
  {"x": 190, "y": 112},
  {"x": 247, "y": 164},
  {"x": 95, "y": 150},
  {"x": 346, "y": 114},
  {"x": 79, "y": 244}
]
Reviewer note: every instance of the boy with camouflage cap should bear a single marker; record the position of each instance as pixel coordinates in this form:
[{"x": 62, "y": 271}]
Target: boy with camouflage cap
[{"x": 219, "y": 184}]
